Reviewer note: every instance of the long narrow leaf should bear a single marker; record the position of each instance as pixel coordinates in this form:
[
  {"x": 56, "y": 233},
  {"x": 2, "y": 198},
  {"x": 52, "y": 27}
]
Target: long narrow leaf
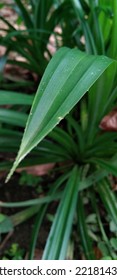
[
  {"x": 25, "y": 14},
  {"x": 41, "y": 214},
  {"x": 58, "y": 94},
  {"x": 10, "y": 97},
  {"x": 110, "y": 166},
  {"x": 109, "y": 199},
  {"x": 13, "y": 117},
  {"x": 31, "y": 202},
  {"x": 57, "y": 242},
  {"x": 86, "y": 241}
]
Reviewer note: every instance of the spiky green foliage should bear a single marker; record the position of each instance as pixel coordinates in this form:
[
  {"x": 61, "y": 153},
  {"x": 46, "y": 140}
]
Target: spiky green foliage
[{"x": 88, "y": 154}]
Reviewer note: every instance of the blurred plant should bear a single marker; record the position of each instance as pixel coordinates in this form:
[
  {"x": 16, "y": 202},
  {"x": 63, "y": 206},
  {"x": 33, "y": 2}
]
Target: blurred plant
[
  {"x": 30, "y": 38},
  {"x": 29, "y": 179},
  {"x": 84, "y": 154},
  {"x": 14, "y": 253}
]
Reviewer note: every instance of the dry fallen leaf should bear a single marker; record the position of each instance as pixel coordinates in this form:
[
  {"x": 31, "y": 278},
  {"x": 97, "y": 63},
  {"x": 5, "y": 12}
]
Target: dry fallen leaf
[
  {"x": 98, "y": 253},
  {"x": 38, "y": 170},
  {"x": 109, "y": 122}
]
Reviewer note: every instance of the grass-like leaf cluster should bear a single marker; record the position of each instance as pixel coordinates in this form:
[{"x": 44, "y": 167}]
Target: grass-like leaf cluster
[{"x": 77, "y": 89}]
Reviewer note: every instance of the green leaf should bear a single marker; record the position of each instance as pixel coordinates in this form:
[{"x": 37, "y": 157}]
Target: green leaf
[
  {"x": 58, "y": 94},
  {"x": 85, "y": 238},
  {"x": 36, "y": 201},
  {"x": 107, "y": 258},
  {"x": 3, "y": 60},
  {"x": 6, "y": 225},
  {"x": 57, "y": 242},
  {"x": 113, "y": 42},
  {"x": 64, "y": 140},
  {"x": 12, "y": 117},
  {"x": 96, "y": 104},
  {"x": 10, "y": 97},
  {"x": 92, "y": 179},
  {"x": 113, "y": 226},
  {"x": 87, "y": 33},
  {"x": 24, "y": 215},
  {"x": 113, "y": 242},
  {"x": 35, "y": 232},
  {"x": 110, "y": 166},
  {"x": 109, "y": 199},
  {"x": 2, "y": 218},
  {"x": 40, "y": 216},
  {"x": 104, "y": 249},
  {"x": 25, "y": 14}
]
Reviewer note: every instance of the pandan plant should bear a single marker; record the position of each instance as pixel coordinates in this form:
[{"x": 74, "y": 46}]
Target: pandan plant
[{"x": 77, "y": 90}]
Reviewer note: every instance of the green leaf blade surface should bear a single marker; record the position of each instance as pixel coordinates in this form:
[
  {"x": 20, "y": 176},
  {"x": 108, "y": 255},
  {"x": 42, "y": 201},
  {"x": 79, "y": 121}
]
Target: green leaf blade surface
[{"x": 67, "y": 78}]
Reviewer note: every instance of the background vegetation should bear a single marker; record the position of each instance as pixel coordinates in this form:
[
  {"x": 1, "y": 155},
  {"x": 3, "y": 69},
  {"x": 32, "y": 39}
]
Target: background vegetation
[{"x": 69, "y": 48}]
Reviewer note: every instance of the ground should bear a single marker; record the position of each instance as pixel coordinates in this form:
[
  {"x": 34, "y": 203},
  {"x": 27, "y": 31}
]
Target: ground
[{"x": 22, "y": 233}]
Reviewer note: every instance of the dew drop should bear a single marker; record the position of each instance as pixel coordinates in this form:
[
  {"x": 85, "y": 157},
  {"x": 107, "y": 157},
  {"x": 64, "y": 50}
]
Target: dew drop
[{"x": 60, "y": 118}]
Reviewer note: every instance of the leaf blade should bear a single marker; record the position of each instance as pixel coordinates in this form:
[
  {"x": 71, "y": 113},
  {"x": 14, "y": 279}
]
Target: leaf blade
[
  {"x": 58, "y": 94},
  {"x": 57, "y": 242}
]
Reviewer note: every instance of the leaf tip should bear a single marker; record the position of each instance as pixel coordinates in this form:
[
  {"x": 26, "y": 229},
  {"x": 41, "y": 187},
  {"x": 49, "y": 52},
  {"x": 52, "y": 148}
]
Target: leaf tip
[{"x": 16, "y": 163}]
